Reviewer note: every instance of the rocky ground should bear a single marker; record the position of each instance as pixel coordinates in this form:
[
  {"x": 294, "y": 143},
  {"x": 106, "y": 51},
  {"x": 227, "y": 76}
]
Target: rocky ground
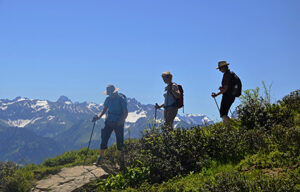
[{"x": 69, "y": 179}]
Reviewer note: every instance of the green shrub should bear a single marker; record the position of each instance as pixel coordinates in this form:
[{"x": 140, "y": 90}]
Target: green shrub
[
  {"x": 274, "y": 159},
  {"x": 20, "y": 181},
  {"x": 181, "y": 151},
  {"x": 226, "y": 178},
  {"x": 287, "y": 139},
  {"x": 292, "y": 101},
  {"x": 7, "y": 169},
  {"x": 256, "y": 112},
  {"x": 235, "y": 181},
  {"x": 131, "y": 177}
]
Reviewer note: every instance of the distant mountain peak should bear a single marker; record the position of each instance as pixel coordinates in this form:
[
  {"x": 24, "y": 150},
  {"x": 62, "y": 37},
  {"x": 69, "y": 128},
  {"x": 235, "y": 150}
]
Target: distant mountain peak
[
  {"x": 63, "y": 99},
  {"x": 19, "y": 99},
  {"x": 133, "y": 100}
]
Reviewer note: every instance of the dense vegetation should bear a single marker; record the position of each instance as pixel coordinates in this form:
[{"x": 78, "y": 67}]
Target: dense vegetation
[{"x": 258, "y": 152}]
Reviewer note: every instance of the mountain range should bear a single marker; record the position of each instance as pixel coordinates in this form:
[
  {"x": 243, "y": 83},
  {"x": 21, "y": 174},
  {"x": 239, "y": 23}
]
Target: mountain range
[{"x": 32, "y": 129}]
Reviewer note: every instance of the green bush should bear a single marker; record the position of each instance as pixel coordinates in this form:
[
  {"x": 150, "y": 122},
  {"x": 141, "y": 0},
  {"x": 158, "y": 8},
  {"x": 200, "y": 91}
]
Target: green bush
[
  {"x": 287, "y": 139},
  {"x": 257, "y": 112},
  {"x": 132, "y": 177},
  {"x": 20, "y": 181},
  {"x": 274, "y": 159},
  {"x": 236, "y": 181},
  {"x": 227, "y": 178},
  {"x": 7, "y": 169},
  {"x": 181, "y": 151},
  {"x": 292, "y": 101}
]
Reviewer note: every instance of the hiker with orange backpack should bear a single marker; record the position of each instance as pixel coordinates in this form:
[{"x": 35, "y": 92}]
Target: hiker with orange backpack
[
  {"x": 230, "y": 89},
  {"x": 173, "y": 100}
]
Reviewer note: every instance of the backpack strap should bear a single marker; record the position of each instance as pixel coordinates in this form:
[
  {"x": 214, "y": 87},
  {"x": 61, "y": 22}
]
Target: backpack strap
[
  {"x": 122, "y": 98},
  {"x": 171, "y": 89},
  {"x": 175, "y": 103}
]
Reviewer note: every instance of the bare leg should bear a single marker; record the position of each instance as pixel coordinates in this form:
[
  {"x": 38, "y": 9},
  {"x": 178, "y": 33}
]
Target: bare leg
[
  {"x": 170, "y": 115},
  {"x": 101, "y": 152}
]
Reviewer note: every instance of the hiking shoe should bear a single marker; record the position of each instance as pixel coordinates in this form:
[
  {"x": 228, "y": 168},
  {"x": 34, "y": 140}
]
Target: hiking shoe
[{"x": 98, "y": 162}]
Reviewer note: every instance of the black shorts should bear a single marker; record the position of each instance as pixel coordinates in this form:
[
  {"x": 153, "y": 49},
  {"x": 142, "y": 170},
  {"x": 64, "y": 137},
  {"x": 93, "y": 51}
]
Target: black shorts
[{"x": 226, "y": 103}]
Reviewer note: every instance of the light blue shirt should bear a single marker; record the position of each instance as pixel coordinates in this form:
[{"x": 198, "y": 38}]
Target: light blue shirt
[
  {"x": 115, "y": 106},
  {"x": 169, "y": 99}
]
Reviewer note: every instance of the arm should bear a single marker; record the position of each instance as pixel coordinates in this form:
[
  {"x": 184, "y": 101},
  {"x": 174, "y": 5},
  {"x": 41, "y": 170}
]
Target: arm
[
  {"x": 159, "y": 106},
  {"x": 225, "y": 87},
  {"x": 102, "y": 112},
  {"x": 222, "y": 90}
]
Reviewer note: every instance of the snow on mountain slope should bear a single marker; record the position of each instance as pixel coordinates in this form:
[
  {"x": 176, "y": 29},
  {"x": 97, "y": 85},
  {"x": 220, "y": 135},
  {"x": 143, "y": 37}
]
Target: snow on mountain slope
[
  {"x": 134, "y": 116},
  {"x": 21, "y": 122},
  {"x": 3, "y": 108},
  {"x": 18, "y": 123},
  {"x": 196, "y": 119},
  {"x": 41, "y": 105}
]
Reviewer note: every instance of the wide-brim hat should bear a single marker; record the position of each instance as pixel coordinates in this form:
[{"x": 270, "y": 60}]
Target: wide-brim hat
[
  {"x": 167, "y": 74},
  {"x": 222, "y": 64},
  {"x": 110, "y": 88}
]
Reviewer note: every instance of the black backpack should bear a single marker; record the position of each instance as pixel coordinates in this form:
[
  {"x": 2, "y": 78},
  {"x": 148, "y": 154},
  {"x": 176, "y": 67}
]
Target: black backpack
[{"x": 236, "y": 85}]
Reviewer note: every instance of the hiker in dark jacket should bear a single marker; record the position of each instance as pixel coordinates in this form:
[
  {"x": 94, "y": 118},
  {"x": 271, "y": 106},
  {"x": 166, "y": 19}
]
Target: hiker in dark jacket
[
  {"x": 225, "y": 90},
  {"x": 171, "y": 95},
  {"x": 116, "y": 107}
]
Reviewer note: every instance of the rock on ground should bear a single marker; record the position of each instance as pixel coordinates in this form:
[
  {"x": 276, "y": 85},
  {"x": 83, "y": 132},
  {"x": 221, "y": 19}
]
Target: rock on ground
[{"x": 69, "y": 179}]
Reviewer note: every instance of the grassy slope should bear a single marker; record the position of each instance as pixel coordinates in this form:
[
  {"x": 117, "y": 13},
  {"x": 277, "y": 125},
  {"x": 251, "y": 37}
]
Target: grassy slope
[
  {"x": 275, "y": 165},
  {"x": 249, "y": 175},
  {"x": 258, "y": 153}
]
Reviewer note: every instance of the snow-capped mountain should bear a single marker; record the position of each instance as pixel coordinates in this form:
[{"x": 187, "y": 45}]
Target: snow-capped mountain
[
  {"x": 49, "y": 119},
  {"x": 195, "y": 119},
  {"x": 69, "y": 124}
]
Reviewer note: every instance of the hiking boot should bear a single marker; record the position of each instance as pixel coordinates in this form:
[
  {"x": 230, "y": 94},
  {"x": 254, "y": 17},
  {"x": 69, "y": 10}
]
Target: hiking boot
[{"x": 98, "y": 162}]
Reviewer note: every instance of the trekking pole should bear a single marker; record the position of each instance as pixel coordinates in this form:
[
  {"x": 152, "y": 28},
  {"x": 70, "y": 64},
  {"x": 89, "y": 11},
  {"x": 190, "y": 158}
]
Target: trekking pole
[
  {"x": 217, "y": 104},
  {"x": 129, "y": 133},
  {"x": 155, "y": 116},
  {"x": 89, "y": 143}
]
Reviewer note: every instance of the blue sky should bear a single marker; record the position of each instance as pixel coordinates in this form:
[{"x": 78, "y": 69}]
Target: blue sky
[{"x": 75, "y": 48}]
